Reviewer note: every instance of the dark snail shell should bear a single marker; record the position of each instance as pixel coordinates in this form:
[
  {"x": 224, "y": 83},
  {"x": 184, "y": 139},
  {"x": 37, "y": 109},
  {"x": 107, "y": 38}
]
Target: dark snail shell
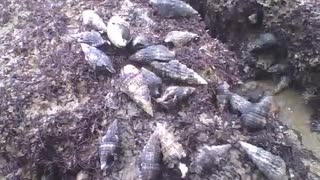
[
  {"x": 177, "y": 71},
  {"x": 92, "y": 19},
  {"x": 209, "y": 156},
  {"x": 153, "y": 81},
  {"x": 180, "y": 38},
  {"x": 91, "y": 38},
  {"x": 149, "y": 162},
  {"x": 96, "y": 58},
  {"x": 136, "y": 87},
  {"x": 174, "y": 94},
  {"x": 109, "y": 145},
  {"x": 118, "y": 31},
  {"x": 264, "y": 42},
  {"x": 173, "y": 8},
  {"x": 272, "y": 166},
  {"x": 256, "y": 116},
  {"x": 153, "y": 53},
  {"x": 140, "y": 42}
]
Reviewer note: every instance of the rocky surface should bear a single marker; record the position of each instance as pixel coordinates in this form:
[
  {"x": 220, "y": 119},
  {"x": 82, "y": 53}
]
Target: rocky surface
[{"x": 54, "y": 108}]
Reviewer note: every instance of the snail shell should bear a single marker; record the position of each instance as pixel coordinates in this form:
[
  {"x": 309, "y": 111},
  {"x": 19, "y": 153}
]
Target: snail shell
[
  {"x": 109, "y": 145},
  {"x": 149, "y": 162},
  {"x": 173, "y": 8},
  {"x": 118, "y": 31},
  {"x": 264, "y": 42},
  {"x": 177, "y": 71},
  {"x": 283, "y": 84},
  {"x": 256, "y": 116},
  {"x": 135, "y": 86},
  {"x": 153, "y": 53},
  {"x": 278, "y": 68},
  {"x": 208, "y": 156},
  {"x": 239, "y": 103},
  {"x": 92, "y": 38},
  {"x": 153, "y": 81},
  {"x": 174, "y": 94},
  {"x": 96, "y": 58},
  {"x": 273, "y": 167},
  {"x": 172, "y": 150},
  {"x": 140, "y": 42},
  {"x": 180, "y": 38},
  {"x": 90, "y": 18}
]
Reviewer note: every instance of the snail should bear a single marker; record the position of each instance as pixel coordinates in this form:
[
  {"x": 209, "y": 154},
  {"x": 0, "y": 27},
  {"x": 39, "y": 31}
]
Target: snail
[
  {"x": 92, "y": 19},
  {"x": 118, "y": 31},
  {"x": 180, "y": 38},
  {"x": 173, "y": 8},
  {"x": 153, "y": 53}
]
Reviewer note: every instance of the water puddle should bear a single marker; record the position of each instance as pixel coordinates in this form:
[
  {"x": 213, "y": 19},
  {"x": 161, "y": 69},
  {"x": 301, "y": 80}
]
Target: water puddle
[{"x": 296, "y": 114}]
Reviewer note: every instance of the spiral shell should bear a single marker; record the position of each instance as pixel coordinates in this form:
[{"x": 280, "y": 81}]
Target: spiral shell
[
  {"x": 174, "y": 94},
  {"x": 283, "y": 84},
  {"x": 180, "y": 38},
  {"x": 273, "y": 167},
  {"x": 208, "y": 156},
  {"x": 149, "y": 162},
  {"x": 90, "y": 18},
  {"x": 239, "y": 103},
  {"x": 264, "y": 42},
  {"x": 153, "y": 53},
  {"x": 140, "y": 42},
  {"x": 118, "y": 31},
  {"x": 96, "y": 58},
  {"x": 135, "y": 86},
  {"x": 172, "y": 150},
  {"x": 257, "y": 115},
  {"x": 109, "y": 145},
  {"x": 173, "y": 8},
  {"x": 177, "y": 71},
  {"x": 91, "y": 38},
  {"x": 153, "y": 81}
]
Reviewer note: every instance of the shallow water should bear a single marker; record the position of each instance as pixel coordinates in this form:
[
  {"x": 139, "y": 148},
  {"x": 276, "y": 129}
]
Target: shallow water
[{"x": 296, "y": 114}]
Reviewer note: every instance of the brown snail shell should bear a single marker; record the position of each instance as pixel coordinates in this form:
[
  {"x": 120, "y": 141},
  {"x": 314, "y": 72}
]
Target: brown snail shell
[
  {"x": 109, "y": 145},
  {"x": 173, "y": 8},
  {"x": 96, "y": 58},
  {"x": 92, "y": 38},
  {"x": 172, "y": 150},
  {"x": 153, "y": 81},
  {"x": 208, "y": 156},
  {"x": 180, "y": 38},
  {"x": 153, "y": 53},
  {"x": 118, "y": 31},
  {"x": 135, "y": 86},
  {"x": 174, "y": 94},
  {"x": 177, "y": 71},
  {"x": 272, "y": 166},
  {"x": 90, "y": 18},
  {"x": 149, "y": 162}
]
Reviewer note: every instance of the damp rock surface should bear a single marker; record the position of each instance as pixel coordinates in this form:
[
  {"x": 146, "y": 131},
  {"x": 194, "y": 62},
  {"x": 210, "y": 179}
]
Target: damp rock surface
[{"x": 55, "y": 107}]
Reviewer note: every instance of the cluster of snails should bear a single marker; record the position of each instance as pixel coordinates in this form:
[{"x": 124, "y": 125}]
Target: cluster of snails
[{"x": 143, "y": 84}]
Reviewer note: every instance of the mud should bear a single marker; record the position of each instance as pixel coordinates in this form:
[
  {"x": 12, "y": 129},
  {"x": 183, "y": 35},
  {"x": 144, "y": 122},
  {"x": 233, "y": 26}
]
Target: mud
[{"x": 54, "y": 108}]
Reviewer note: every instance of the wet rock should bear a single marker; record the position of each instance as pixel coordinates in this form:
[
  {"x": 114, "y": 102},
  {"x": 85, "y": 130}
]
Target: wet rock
[
  {"x": 118, "y": 31},
  {"x": 175, "y": 94},
  {"x": 273, "y": 167},
  {"x": 180, "y": 38},
  {"x": 96, "y": 58},
  {"x": 149, "y": 162},
  {"x": 135, "y": 86},
  {"x": 109, "y": 145},
  {"x": 92, "y": 19},
  {"x": 208, "y": 157},
  {"x": 153, "y": 53},
  {"x": 173, "y": 8},
  {"x": 177, "y": 71},
  {"x": 92, "y": 38}
]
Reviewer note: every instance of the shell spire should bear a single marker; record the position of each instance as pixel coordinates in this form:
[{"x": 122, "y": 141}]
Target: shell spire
[
  {"x": 136, "y": 87},
  {"x": 118, "y": 31},
  {"x": 178, "y": 71},
  {"x": 149, "y": 162},
  {"x": 109, "y": 145},
  {"x": 153, "y": 53},
  {"x": 90, "y": 18},
  {"x": 272, "y": 166},
  {"x": 209, "y": 156},
  {"x": 173, "y": 8},
  {"x": 174, "y": 94},
  {"x": 96, "y": 58}
]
